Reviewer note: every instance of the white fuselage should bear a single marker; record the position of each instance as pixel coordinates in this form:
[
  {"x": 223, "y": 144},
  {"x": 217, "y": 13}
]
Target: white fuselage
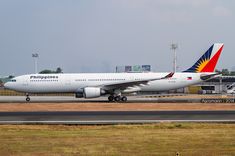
[{"x": 70, "y": 83}]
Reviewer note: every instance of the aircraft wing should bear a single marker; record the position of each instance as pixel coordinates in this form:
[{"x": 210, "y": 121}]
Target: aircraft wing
[{"x": 133, "y": 83}]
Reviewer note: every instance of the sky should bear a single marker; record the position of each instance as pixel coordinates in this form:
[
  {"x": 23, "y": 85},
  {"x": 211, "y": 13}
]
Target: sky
[{"x": 96, "y": 35}]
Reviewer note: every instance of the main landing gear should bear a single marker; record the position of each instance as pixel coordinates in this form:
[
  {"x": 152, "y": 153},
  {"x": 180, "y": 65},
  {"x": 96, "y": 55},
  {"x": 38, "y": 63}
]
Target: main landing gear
[
  {"x": 27, "y": 97},
  {"x": 118, "y": 98}
]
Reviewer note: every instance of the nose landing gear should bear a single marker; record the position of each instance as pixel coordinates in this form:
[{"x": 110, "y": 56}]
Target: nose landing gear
[{"x": 27, "y": 97}]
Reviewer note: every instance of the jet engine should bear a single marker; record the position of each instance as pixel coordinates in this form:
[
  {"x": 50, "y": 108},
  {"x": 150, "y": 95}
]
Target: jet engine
[
  {"x": 89, "y": 92},
  {"x": 92, "y": 92}
]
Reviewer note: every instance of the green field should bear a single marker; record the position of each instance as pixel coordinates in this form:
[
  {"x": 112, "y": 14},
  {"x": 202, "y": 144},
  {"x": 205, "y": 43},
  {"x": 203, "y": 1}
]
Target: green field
[
  {"x": 153, "y": 139},
  {"x": 6, "y": 92}
]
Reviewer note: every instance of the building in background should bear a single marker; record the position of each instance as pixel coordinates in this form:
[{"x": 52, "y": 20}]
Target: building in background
[
  {"x": 219, "y": 85},
  {"x": 133, "y": 69}
]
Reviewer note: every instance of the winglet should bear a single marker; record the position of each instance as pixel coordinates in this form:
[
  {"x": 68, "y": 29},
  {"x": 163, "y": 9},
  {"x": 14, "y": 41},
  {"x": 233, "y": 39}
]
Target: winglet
[{"x": 168, "y": 75}]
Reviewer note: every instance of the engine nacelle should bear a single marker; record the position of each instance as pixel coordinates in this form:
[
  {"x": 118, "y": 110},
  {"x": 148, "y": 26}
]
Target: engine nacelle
[
  {"x": 92, "y": 92},
  {"x": 79, "y": 93}
]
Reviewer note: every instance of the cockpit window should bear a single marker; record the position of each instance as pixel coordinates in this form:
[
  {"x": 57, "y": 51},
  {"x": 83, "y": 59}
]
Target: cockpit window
[{"x": 13, "y": 80}]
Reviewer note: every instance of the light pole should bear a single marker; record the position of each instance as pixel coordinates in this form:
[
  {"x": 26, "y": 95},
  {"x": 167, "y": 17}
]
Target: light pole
[
  {"x": 35, "y": 56},
  {"x": 174, "y": 46}
]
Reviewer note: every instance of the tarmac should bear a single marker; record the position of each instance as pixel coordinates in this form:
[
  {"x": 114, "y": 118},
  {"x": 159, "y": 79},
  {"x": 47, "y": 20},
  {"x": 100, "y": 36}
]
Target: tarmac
[
  {"x": 131, "y": 99},
  {"x": 109, "y": 117},
  {"x": 115, "y": 117}
]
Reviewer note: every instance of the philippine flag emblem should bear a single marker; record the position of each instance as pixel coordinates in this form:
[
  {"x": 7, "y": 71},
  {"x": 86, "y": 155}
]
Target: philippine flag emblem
[{"x": 189, "y": 78}]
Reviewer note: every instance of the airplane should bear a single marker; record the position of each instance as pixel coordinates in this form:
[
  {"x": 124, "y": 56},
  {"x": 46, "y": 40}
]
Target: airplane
[{"x": 93, "y": 85}]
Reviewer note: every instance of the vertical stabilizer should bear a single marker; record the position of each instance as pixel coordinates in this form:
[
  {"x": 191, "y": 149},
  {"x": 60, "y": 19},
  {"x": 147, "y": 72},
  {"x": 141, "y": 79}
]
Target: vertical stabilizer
[{"x": 208, "y": 61}]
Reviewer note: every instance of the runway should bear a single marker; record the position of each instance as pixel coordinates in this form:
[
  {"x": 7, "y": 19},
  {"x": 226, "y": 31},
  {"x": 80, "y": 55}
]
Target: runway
[
  {"x": 162, "y": 98},
  {"x": 65, "y": 99},
  {"x": 115, "y": 117}
]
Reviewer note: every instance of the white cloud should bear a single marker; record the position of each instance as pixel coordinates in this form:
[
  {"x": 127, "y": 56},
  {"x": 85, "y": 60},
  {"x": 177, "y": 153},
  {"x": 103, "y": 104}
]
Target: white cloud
[
  {"x": 200, "y": 3},
  {"x": 221, "y": 11},
  {"x": 155, "y": 3},
  {"x": 193, "y": 3}
]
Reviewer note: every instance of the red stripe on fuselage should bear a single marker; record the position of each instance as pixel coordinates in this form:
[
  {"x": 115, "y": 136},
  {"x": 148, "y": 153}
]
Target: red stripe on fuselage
[{"x": 210, "y": 67}]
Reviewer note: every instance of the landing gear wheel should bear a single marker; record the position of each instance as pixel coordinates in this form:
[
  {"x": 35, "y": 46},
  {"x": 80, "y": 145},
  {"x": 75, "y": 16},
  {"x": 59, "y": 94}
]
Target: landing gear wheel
[
  {"x": 27, "y": 99},
  {"x": 124, "y": 98},
  {"x": 111, "y": 98},
  {"x": 117, "y": 98}
]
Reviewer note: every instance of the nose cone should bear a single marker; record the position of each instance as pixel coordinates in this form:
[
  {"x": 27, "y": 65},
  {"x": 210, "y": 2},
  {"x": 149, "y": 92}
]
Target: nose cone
[{"x": 7, "y": 85}]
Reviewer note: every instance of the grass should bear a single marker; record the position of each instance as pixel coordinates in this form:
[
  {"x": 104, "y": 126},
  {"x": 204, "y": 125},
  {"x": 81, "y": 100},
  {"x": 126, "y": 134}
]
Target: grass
[
  {"x": 152, "y": 139},
  {"x": 7, "y": 92}
]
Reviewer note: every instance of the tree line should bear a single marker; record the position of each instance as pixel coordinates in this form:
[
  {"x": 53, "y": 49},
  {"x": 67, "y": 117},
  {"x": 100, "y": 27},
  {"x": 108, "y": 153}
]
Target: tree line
[
  {"x": 48, "y": 71},
  {"x": 225, "y": 72}
]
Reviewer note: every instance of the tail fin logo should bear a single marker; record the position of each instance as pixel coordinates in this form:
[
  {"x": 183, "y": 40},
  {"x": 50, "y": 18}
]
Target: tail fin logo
[{"x": 208, "y": 61}]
